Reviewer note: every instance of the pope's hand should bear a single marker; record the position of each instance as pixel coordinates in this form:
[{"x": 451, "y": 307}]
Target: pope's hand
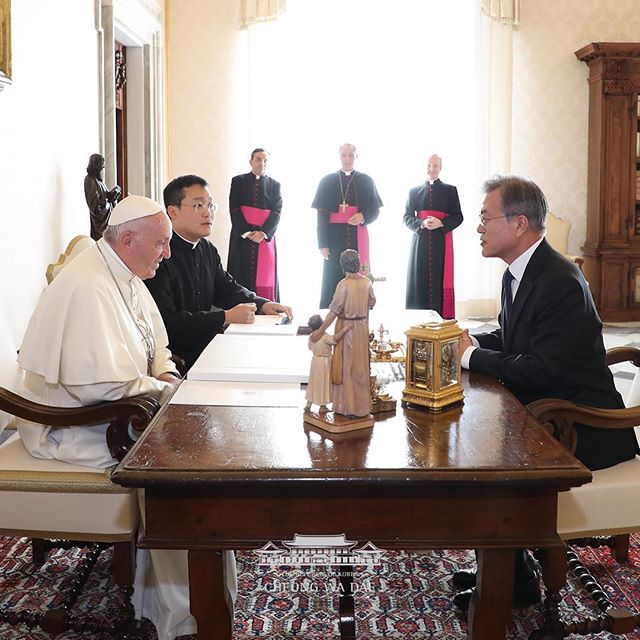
[{"x": 170, "y": 379}]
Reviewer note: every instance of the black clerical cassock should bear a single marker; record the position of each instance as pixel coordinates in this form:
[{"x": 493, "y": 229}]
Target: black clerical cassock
[{"x": 337, "y": 198}]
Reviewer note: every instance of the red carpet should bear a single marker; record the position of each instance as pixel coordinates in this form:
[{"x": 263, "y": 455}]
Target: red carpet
[{"x": 408, "y": 597}]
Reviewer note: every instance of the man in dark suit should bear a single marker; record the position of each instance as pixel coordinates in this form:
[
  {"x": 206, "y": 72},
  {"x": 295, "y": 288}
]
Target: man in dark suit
[{"x": 549, "y": 344}]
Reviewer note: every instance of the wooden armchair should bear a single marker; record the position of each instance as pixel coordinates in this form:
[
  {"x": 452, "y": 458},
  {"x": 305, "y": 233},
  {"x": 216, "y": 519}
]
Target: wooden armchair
[
  {"x": 49, "y": 500},
  {"x": 608, "y": 506}
]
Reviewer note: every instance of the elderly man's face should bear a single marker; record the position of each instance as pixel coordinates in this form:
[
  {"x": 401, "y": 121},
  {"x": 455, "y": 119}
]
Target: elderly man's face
[
  {"x": 347, "y": 157},
  {"x": 498, "y": 233},
  {"x": 149, "y": 246}
]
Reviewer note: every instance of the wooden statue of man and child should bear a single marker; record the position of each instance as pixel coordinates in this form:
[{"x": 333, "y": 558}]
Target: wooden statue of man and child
[{"x": 342, "y": 378}]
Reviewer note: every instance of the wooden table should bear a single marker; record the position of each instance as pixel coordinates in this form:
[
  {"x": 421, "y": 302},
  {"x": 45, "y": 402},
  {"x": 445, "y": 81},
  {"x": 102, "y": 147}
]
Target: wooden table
[{"x": 484, "y": 475}]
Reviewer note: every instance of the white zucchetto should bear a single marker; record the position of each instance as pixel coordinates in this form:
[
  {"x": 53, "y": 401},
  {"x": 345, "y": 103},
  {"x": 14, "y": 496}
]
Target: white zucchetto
[{"x": 132, "y": 208}]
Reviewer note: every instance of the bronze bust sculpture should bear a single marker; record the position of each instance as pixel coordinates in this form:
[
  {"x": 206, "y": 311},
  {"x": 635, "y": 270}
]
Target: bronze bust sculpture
[{"x": 99, "y": 199}]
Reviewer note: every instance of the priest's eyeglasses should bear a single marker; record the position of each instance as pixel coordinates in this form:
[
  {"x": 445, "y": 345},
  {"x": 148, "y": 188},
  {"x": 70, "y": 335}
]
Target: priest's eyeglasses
[{"x": 201, "y": 207}]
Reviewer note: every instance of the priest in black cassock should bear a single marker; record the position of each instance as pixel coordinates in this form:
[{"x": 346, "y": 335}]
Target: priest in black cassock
[
  {"x": 432, "y": 213},
  {"x": 255, "y": 204},
  {"x": 347, "y": 201},
  {"x": 195, "y": 295}
]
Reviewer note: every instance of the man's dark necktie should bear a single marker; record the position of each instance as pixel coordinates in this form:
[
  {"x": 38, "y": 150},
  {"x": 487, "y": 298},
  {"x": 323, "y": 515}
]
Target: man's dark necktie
[{"x": 507, "y": 298}]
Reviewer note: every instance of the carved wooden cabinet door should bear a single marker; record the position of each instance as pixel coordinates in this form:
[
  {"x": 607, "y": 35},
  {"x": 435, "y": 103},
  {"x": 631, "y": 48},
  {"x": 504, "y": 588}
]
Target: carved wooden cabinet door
[{"x": 612, "y": 246}]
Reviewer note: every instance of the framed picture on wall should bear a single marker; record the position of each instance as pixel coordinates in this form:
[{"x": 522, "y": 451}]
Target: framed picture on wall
[{"x": 5, "y": 43}]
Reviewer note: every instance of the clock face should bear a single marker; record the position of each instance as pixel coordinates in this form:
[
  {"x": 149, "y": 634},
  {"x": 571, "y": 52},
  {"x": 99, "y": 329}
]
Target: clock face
[
  {"x": 449, "y": 363},
  {"x": 421, "y": 375}
]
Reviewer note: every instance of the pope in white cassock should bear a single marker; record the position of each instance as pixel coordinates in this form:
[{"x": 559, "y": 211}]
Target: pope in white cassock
[{"x": 97, "y": 334}]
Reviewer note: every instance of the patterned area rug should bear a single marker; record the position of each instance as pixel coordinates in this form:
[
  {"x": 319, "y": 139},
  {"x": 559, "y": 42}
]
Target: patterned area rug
[{"x": 407, "y": 597}]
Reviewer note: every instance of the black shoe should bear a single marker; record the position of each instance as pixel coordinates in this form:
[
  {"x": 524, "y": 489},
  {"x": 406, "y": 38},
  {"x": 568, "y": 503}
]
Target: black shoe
[
  {"x": 524, "y": 595},
  {"x": 463, "y": 580}
]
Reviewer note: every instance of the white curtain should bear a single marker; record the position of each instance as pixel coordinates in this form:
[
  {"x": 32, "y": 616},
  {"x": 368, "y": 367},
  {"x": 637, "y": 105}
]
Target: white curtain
[
  {"x": 495, "y": 103},
  {"x": 400, "y": 81},
  {"x": 505, "y": 11},
  {"x": 254, "y": 11}
]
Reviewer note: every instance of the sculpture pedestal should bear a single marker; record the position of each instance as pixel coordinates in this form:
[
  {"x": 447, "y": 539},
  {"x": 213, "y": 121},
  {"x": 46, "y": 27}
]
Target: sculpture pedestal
[
  {"x": 336, "y": 422},
  {"x": 382, "y": 405}
]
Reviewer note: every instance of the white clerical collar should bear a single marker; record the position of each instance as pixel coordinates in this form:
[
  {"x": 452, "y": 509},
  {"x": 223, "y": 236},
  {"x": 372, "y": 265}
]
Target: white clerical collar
[
  {"x": 432, "y": 181},
  {"x": 257, "y": 176},
  {"x": 347, "y": 173},
  {"x": 107, "y": 248},
  {"x": 193, "y": 244}
]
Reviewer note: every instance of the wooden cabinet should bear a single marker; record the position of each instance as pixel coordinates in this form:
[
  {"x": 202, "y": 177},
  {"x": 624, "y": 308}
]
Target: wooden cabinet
[{"x": 612, "y": 246}]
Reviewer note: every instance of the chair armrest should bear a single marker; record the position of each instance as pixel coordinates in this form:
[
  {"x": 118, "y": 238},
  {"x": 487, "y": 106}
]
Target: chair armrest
[
  {"x": 136, "y": 411},
  {"x": 558, "y": 417},
  {"x": 623, "y": 354},
  {"x": 181, "y": 364},
  {"x": 575, "y": 259}
]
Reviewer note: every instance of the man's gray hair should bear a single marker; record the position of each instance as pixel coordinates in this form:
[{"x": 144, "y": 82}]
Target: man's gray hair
[
  {"x": 113, "y": 232},
  {"x": 520, "y": 196}
]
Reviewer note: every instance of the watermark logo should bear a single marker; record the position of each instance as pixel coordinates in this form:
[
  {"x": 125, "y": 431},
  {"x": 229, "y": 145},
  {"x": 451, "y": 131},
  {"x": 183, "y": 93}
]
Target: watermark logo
[{"x": 312, "y": 550}]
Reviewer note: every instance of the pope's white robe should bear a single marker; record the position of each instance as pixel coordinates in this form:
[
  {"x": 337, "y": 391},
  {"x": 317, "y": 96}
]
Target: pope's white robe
[{"x": 83, "y": 346}]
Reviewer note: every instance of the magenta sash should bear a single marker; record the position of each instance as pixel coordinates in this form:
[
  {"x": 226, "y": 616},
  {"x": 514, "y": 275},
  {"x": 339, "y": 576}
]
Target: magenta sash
[
  {"x": 448, "y": 298},
  {"x": 342, "y": 217},
  {"x": 266, "y": 267}
]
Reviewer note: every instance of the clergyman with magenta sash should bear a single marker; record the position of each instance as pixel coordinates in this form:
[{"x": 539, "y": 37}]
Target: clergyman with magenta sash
[
  {"x": 432, "y": 213},
  {"x": 255, "y": 206},
  {"x": 347, "y": 201}
]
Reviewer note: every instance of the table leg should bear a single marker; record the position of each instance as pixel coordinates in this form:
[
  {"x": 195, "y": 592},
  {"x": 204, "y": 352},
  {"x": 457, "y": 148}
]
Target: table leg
[
  {"x": 554, "y": 574},
  {"x": 491, "y": 605},
  {"x": 347, "y": 622},
  {"x": 208, "y": 593}
]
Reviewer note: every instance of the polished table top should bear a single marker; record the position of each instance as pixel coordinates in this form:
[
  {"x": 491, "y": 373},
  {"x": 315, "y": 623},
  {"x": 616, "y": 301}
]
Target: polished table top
[
  {"x": 490, "y": 438},
  {"x": 483, "y": 475}
]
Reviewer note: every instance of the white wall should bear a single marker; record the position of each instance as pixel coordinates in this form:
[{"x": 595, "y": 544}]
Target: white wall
[
  {"x": 48, "y": 129},
  {"x": 551, "y": 95},
  {"x": 207, "y": 98}
]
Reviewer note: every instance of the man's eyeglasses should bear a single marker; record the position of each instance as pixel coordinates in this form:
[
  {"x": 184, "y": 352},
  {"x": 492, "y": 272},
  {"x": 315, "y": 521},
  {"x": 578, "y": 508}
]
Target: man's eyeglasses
[
  {"x": 483, "y": 220},
  {"x": 200, "y": 207}
]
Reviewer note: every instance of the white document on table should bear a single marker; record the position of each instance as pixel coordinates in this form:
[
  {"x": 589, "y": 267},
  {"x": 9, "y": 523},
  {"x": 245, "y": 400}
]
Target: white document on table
[
  {"x": 264, "y": 325},
  {"x": 254, "y": 358},
  {"x": 239, "y": 394}
]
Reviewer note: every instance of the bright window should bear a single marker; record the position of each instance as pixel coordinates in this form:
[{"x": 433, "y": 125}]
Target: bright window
[{"x": 400, "y": 80}]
